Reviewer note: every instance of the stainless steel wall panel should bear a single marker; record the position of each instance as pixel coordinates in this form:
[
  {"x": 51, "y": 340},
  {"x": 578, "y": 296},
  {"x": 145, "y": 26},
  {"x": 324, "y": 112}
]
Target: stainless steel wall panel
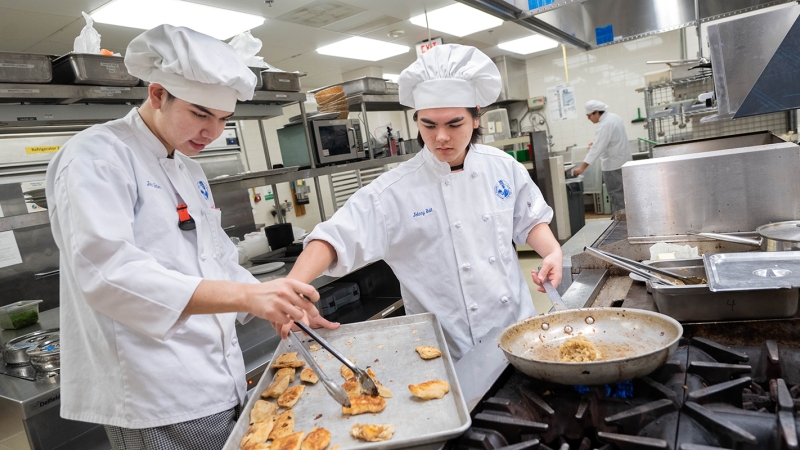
[{"x": 723, "y": 191}]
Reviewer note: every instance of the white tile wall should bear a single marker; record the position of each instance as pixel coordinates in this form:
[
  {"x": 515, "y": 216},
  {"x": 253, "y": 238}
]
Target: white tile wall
[{"x": 610, "y": 74}]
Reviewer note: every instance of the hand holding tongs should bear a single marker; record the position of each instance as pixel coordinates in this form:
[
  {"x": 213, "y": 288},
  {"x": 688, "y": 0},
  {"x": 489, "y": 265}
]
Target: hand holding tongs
[
  {"x": 361, "y": 375},
  {"x": 640, "y": 269},
  {"x": 334, "y": 389}
]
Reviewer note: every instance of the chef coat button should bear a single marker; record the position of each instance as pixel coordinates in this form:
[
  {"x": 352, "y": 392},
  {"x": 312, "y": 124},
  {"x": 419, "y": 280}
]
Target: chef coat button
[
  {"x": 228, "y": 354},
  {"x": 182, "y": 166},
  {"x": 458, "y": 224},
  {"x": 473, "y": 306},
  {"x": 485, "y": 217},
  {"x": 492, "y": 259},
  {"x": 203, "y": 256},
  {"x": 447, "y": 182},
  {"x": 475, "y": 174},
  {"x": 203, "y": 212},
  {"x": 466, "y": 266},
  {"x": 504, "y": 299},
  {"x": 234, "y": 341}
]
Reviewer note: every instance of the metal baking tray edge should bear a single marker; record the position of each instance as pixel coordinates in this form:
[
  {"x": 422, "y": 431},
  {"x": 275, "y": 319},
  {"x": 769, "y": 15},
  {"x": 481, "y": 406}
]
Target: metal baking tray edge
[{"x": 429, "y": 332}]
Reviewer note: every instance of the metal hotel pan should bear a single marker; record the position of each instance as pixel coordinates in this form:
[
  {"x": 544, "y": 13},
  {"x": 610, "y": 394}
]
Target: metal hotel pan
[
  {"x": 387, "y": 346},
  {"x": 697, "y": 303},
  {"x": 633, "y": 342}
]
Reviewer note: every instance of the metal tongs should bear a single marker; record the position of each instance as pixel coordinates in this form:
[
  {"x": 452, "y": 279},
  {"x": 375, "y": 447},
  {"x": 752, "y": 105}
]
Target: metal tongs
[
  {"x": 363, "y": 378},
  {"x": 333, "y": 389},
  {"x": 640, "y": 269}
]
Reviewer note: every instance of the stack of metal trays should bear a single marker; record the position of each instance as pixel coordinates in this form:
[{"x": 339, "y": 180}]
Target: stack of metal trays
[
  {"x": 701, "y": 303},
  {"x": 85, "y": 68},
  {"x": 25, "y": 68},
  {"x": 364, "y": 85},
  {"x": 281, "y": 81}
]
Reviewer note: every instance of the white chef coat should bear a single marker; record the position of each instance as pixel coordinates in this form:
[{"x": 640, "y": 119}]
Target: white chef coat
[
  {"x": 610, "y": 143},
  {"x": 129, "y": 358},
  {"x": 447, "y": 237}
]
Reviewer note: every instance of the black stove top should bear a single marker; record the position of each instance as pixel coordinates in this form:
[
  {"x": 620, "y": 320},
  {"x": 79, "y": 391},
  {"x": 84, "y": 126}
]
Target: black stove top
[{"x": 707, "y": 396}]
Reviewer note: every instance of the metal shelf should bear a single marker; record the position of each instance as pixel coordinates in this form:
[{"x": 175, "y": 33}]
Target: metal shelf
[
  {"x": 675, "y": 83},
  {"x": 25, "y": 105},
  {"x": 254, "y": 180},
  {"x": 372, "y": 102}
]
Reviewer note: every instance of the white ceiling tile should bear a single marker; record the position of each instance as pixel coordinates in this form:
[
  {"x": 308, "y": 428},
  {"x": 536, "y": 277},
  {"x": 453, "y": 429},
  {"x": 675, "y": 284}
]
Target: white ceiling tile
[
  {"x": 29, "y": 25},
  {"x": 70, "y": 8}
]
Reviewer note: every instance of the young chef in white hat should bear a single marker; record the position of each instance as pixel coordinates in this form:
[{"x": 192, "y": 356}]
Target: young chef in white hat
[
  {"x": 610, "y": 145},
  {"x": 445, "y": 220},
  {"x": 147, "y": 307}
]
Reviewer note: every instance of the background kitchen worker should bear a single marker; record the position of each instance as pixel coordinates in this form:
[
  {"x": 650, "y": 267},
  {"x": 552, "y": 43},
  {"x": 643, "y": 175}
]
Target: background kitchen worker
[
  {"x": 148, "y": 309},
  {"x": 611, "y": 146},
  {"x": 445, "y": 220}
]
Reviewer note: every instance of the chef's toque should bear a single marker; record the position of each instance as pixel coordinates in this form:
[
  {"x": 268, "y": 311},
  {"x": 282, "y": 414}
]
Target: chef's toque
[
  {"x": 192, "y": 66},
  {"x": 448, "y": 76},
  {"x": 595, "y": 105}
]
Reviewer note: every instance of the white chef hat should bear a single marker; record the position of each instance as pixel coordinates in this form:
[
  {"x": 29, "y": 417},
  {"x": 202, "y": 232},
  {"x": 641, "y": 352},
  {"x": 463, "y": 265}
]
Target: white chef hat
[
  {"x": 192, "y": 66},
  {"x": 595, "y": 105},
  {"x": 450, "y": 76}
]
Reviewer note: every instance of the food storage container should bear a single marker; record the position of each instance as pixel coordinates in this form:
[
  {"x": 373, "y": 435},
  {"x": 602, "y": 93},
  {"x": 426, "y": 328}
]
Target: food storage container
[{"x": 20, "y": 314}]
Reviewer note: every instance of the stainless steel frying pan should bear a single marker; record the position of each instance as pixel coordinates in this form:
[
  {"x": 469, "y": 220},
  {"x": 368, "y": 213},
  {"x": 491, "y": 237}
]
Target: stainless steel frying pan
[{"x": 633, "y": 343}]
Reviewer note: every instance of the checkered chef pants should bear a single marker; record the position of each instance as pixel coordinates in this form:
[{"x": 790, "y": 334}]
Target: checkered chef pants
[{"x": 205, "y": 433}]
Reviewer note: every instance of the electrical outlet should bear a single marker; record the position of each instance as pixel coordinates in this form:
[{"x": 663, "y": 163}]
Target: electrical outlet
[{"x": 535, "y": 103}]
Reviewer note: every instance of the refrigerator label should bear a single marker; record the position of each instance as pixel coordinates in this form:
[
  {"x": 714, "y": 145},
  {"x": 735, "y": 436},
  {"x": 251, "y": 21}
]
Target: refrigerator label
[
  {"x": 19, "y": 91},
  {"x": 42, "y": 149}
]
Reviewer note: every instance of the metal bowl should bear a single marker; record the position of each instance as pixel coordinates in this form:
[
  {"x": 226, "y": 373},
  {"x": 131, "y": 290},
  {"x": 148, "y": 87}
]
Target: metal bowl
[
  {"x": 633, "y": 343},
  {"x": 46, "y": 356},
  {"x": 16, "y": 350}
]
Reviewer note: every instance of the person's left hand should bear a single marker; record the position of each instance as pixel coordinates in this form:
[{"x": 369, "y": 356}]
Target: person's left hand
[
  {"x": 551, "y": 269},
  {"x": 315, "y": 322}
]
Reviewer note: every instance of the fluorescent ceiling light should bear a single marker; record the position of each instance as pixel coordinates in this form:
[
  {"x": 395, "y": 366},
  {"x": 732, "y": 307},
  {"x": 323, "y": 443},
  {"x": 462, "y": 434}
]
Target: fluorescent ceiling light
[
  {"x": 363, "y": 48},
  {"x": 146, "y": 14},
  {"x": 457, "y": 19},
  {"x": 393, "y": 77},
  {"x": 528, "y": 45}
]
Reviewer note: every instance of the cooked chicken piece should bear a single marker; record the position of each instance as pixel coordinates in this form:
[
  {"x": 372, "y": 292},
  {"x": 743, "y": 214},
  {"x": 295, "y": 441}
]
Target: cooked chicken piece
[
  {"x": 383, "y": 391},
  {"x": 288, "y": 360},
  {"x": 347, "y": 373},
  {"x": 362, "y": 404},
  {"x": 262, "y": 410},
  {"x": 372, "y": 432},
  {"x": 285, "y": 372},
  {"x": 290, "y": 442},
  {"x": 352, "y": 387},
  {"x": 318, "y": 439},
  {"x": 257, "y": 434},
  {"x": 314, "y": 347},
  {"x": 428, "y": 352},
  {"x": 430, "y": 389},
  {"x": 309, "y": 376},
  {"x": 277, "y": 388},
  {"x": 291, "y": 396},
  {"x": 284, "y": 425},
  {"x": 262, "y": 446}
]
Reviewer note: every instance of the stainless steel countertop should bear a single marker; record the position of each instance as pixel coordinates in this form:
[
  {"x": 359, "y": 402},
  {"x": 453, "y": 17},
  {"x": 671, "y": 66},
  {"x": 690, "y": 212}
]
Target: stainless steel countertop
[{"x": 23, "y": 397}]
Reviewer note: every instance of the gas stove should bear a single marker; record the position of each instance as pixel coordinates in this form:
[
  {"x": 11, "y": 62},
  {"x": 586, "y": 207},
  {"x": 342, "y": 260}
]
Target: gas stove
[{"x": 709, "y": 395}]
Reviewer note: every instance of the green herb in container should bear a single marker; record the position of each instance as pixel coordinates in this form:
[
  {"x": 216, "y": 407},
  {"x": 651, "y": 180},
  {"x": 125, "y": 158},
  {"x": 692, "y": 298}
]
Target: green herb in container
[{"x": 19, "y": 315}]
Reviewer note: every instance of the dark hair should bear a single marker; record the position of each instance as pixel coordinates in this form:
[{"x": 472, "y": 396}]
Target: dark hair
[
  {"x": 599, "y": 113},
  {"x": 476, "y": 132}
]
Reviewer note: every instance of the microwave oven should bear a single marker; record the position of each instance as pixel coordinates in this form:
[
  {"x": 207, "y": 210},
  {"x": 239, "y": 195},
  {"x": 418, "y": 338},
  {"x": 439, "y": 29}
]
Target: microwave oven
[{"x": 332, "y": 141}]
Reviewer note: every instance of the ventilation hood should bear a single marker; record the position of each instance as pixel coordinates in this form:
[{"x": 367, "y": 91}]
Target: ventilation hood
[{"x": 756, "y": 64}]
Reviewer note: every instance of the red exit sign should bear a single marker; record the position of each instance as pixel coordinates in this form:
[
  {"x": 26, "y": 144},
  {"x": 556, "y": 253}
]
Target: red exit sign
[{"x": 426, "y": 45}]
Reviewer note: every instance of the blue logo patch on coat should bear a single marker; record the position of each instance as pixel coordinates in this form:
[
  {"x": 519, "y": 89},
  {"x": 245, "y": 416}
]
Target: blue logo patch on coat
[
  {"x": 502, "y": 189},
  {"x": 203, "y": 189}
]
